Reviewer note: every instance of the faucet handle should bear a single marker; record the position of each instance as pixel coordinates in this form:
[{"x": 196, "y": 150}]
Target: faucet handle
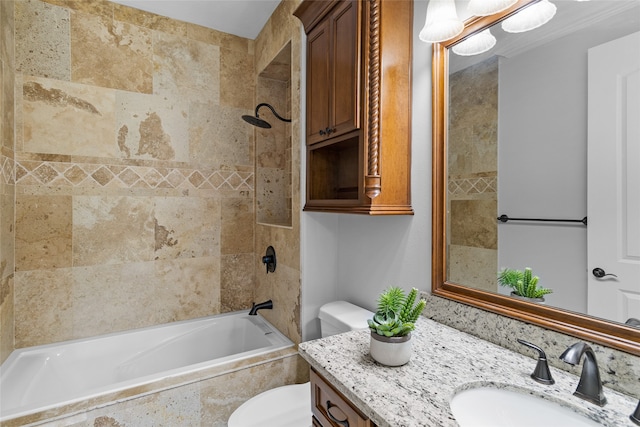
[
  {"x": 541, "y": 373},
  {"x": 635, "y": 417},
  {"x": 269, "y": 259}
]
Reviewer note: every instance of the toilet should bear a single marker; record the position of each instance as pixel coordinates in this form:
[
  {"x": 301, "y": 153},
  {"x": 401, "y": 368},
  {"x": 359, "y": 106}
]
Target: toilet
[{"x": 290, "y": 405}]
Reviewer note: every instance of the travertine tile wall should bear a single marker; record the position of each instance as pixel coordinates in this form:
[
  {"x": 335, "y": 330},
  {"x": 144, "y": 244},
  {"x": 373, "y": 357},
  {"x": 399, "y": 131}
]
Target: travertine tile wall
[
  {"x": 134, "y": 175},
  {"x": 7, "y": 188},
  {"x": 273, "y": 146},
  {"x": 473, "y": 170},
  {"x": 284, "y": 285}
]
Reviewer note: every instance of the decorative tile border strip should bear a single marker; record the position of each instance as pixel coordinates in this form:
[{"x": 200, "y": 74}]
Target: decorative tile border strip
[
  {"x": 7, "y": 170},
  {"x": 481, "y": 185},
  {"x": 44, "y": 173}
]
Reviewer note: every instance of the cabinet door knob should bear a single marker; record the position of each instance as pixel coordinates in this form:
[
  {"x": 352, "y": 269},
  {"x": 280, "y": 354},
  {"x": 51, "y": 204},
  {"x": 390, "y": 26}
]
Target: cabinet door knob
[{"x": 344, "y": 422}]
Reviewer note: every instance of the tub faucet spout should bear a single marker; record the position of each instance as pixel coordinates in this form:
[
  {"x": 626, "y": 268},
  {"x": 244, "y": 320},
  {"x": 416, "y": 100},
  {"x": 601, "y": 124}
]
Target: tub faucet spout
[
  {"x": 255, "y": 307},
  {"x": 590, "y": 385}
]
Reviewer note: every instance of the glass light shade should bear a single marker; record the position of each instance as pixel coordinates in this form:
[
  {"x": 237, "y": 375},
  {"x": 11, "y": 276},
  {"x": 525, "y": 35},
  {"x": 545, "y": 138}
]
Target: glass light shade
[
  {"x": 489, "y": 7},
  {"x": 476, "y": 44},
  {"x": 442, "y": 22},
  {"x": 530, "y": 18}
]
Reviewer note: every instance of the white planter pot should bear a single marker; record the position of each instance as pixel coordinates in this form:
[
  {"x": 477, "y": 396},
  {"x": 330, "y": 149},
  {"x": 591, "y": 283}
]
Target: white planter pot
[
  {"x": 390, "y": 351},
  {"x": 536, "y": 300}
]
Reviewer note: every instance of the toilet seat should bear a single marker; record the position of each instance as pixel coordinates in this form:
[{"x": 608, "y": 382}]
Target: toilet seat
[{"x": 287, "y": 406}]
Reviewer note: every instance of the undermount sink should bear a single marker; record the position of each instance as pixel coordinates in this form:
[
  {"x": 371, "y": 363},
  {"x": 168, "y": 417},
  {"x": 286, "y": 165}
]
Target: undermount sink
[{"x": 497, "y": 407}]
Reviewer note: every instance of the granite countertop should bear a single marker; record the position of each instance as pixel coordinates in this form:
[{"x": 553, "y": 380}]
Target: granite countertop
[{"x": 444, "y": 361}]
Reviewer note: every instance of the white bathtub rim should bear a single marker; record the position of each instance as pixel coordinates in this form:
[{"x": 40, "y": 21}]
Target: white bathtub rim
[
  {"x": 105, "y": 391},
  {"x": 62, "y": 413}
]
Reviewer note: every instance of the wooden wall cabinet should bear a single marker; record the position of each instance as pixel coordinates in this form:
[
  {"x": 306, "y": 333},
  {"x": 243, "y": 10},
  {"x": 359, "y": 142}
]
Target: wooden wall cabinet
[
  {"x": 358, "y": 117},
  {"x": 330, "y": 408},
  {"x": 333, "y": 48}
]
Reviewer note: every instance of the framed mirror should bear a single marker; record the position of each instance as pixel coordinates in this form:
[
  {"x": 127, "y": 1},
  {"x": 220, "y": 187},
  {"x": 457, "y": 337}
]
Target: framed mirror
[{"x": 488, "y": 161}]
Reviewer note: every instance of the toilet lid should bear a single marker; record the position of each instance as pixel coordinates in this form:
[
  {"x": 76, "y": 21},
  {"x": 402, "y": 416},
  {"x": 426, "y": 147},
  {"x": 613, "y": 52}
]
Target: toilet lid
[{"x": 287, "y": 406}]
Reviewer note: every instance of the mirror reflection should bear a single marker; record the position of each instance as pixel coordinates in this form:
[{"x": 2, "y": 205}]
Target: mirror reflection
[{"x": 543, "y": 129}]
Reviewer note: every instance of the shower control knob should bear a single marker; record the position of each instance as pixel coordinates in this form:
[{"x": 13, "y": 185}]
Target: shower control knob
[
  {"x": 599, "y": 273},
  {"x": 269, "y": 260}
]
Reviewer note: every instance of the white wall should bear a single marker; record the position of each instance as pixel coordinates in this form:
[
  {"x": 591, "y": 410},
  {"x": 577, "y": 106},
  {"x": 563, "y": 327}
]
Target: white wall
[{"x": 355, "y": 257}]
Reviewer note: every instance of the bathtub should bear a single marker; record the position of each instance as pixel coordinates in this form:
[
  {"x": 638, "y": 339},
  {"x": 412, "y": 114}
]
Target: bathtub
[{"x": 42, "y": 378}]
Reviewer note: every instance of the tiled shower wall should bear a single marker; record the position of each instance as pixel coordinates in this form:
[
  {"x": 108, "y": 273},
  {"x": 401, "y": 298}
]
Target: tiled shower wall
[
  {"x": 473, "y": 172},
  {"x": 134, "y": 175},
  {"x": 281, "y": 37},
  {"x": 7, "y": 188}
]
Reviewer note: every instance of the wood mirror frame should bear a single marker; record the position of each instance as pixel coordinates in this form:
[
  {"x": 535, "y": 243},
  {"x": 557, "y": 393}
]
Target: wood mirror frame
[{"x": 597, "y": 330}]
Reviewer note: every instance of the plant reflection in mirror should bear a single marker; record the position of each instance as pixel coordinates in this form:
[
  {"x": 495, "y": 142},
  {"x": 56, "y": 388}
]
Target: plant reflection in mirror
[{"x": 523, "y": 283}]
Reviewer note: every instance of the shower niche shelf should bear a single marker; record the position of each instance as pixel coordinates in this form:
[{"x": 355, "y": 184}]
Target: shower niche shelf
[{"x": 358, "y": 124}]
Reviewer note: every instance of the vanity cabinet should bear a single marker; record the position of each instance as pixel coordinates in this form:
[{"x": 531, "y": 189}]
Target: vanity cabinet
[
  {"x": 330, "y": 408},
  {"x": 358, "y": 107}
]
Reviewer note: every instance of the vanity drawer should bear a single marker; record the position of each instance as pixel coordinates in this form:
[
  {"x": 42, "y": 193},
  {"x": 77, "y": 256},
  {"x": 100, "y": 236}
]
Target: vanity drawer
[{"x": 331, "y": 409}]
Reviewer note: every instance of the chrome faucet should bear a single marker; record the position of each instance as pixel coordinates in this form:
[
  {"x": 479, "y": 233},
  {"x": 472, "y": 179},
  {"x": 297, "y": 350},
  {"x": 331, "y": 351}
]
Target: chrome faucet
[{"x": 590, "y": 385}]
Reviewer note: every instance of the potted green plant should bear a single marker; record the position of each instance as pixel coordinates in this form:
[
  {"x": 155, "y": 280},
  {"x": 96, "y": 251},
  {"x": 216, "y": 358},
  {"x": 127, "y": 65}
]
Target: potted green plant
[
  {"x": 523, "y": 283},
  {"x": 392, "y": 324}
]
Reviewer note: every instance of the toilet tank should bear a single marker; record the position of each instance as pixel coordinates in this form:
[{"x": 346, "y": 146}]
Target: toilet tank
[{"x": 341, "y": 316}]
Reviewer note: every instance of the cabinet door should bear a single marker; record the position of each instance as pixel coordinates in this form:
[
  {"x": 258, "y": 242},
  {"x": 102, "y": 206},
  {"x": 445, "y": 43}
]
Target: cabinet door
[
  {"x": 330, "y": 408},
  {"x": 345, "y": 72},
  {"x": 318, "y": 53},
  {"x": 333, "y": 74}
]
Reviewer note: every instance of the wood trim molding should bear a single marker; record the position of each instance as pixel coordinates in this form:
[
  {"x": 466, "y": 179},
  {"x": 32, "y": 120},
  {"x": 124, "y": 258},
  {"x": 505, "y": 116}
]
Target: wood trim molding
[
  {"x": 312, "y": 12},
  {"x": 593, "y": 329},
  {"x": 372, "y": 184}
]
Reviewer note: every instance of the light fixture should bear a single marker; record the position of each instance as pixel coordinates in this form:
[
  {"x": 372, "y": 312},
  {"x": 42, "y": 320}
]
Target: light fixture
[
  {"x": 476, "y": 44},
  {"x": 442, "y": 22},
  {"x": 489, "y": 7},
  {"x": 530, "y": 18}
]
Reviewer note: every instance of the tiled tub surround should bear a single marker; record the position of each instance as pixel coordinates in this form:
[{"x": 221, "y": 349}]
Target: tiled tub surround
[
  {"x": 444, "y": 361},
  {"x": 133, "y": 176},
  {"x": 144, "y": 213},
  {"x": 100, "y": 369},
  {"x": 206, "y": 398},
  {"x": 133, "y": 167},
  {"x": 202, "y": 393}
]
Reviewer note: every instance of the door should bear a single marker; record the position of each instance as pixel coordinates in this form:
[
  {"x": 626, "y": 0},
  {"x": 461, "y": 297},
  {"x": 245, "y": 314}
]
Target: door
[{"x": 613, "y": 202}]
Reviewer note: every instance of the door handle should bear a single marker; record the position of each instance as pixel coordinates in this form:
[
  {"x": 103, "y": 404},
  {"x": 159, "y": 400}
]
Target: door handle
[{"x": 599, "y": 273}]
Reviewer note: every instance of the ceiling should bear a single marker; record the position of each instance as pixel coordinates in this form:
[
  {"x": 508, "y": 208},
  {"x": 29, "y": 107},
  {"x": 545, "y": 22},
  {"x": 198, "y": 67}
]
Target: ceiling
[
  {"x": 244, "y": 18},
  {"x": 571, "y": 18}
]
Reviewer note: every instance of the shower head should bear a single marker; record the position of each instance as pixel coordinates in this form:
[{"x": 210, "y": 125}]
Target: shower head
[{"x": 257, "y": 121}]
